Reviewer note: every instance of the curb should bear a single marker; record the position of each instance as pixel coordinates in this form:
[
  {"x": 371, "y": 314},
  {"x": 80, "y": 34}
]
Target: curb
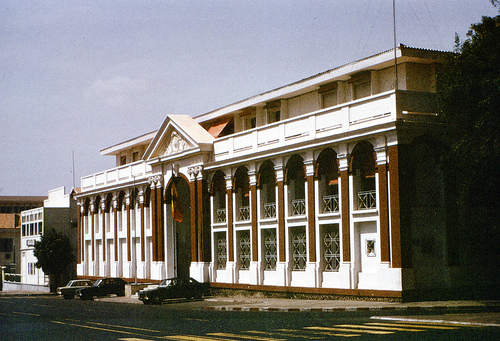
[{"x": 358, "y": 309}]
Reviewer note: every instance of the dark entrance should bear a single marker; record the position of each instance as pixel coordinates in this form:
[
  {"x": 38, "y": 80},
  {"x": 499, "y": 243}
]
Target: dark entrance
[{"x": 178, "y": 201}]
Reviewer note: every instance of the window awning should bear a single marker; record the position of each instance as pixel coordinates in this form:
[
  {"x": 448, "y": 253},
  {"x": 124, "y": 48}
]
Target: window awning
[{"x": 217, "y": 128}]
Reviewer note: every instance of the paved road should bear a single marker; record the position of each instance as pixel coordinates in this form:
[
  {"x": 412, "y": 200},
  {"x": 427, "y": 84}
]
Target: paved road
[{"x": 52, "y": 318}]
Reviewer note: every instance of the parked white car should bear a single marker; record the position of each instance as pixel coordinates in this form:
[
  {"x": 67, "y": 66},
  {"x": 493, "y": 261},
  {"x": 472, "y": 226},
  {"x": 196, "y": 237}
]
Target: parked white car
[{"x": 69, "y": 291}]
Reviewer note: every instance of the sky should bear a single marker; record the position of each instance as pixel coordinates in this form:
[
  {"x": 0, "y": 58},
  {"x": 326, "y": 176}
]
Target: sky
[{"x": 80, "y": 76}]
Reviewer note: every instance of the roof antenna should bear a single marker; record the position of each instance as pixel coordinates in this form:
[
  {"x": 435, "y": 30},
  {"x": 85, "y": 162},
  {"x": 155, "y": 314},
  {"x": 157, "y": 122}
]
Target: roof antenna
[{"x": 395, "y": 55}]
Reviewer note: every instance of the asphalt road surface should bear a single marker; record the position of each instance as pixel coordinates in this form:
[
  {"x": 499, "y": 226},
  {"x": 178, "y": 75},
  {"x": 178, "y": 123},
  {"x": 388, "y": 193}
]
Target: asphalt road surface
[{"x": 53, "y": 318}]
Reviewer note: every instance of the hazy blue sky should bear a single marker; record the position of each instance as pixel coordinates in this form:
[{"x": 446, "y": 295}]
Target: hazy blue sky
[{"x": 84, "y": 75}]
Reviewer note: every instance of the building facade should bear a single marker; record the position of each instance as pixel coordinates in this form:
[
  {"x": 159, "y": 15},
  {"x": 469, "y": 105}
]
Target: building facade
[
  {"x": 330, "y": 185},
  {"x": 59, "y": 212},
  {"x": 10, "y": 227}
]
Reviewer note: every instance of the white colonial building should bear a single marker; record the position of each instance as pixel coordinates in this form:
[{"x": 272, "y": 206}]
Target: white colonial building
[{"x": 331, "y": 185}]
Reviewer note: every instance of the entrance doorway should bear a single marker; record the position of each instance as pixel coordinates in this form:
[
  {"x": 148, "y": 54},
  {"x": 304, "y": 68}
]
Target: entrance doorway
[{"x": 179, "y": 223}]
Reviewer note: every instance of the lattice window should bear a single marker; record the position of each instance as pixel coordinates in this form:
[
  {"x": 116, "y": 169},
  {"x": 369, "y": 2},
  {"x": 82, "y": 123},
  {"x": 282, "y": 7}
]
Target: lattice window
[
  {"x": 270, "y": 210},
  {"x": 244, "y": 250},
  {"x": 367, "y": 200},
  {"x": 331, "y": 248},
  {"x": 221, "y": 251},
  {"x": 331, "y": 203},
  {"x": 270, "y": 250},
  {"x": 299, "y": 249},
  {"x": 298, "y": 207}
]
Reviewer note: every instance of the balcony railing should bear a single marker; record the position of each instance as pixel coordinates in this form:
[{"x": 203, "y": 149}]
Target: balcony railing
[
  {"x": 298, "y": 207},
  {"x": 270, "y": 210},
  {"x": 220, "y": 215},
  {"x": 331, "y": 203},
  {"x": 126, "y": 173},
  {"x": 244, "y": 213},
  {"x": 367, "y": 200}
]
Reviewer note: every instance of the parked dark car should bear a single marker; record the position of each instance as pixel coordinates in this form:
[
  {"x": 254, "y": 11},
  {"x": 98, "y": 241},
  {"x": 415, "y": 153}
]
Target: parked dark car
[
  {"x": 69, "y": 291},
  {"x": 103, "y": 287},
  {"x": 174, "y": 288}
]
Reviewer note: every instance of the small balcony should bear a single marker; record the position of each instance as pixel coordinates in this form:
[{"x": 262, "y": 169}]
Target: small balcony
[
  {"x": 270, "y": 210},
  {"x": 220, "y": 216},
  {"x": 367, "y": 200},
  {"x": 244, "y": 213},
  {"x": 330, "y": 204},
  {"x": 298, "y": 207}
]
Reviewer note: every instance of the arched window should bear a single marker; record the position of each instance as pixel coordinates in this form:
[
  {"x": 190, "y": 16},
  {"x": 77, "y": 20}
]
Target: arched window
[
  {"x": 295, "y": 180},
  {"x": 219, "y": 197},
  {"x": 242, "y": 193},
  {"x": 267, "y": 187},
  {"x": 363, "y": 170},
  {"x": 328, "y": 181},
  {"x": 97, "y": 214}
]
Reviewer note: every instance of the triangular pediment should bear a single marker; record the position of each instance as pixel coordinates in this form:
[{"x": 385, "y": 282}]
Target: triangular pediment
[{"x": 178, "y": 134}]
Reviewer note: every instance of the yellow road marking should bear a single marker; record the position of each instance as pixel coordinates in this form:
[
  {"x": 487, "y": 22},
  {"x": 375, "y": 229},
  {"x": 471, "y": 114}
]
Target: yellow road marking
[
  {"x": 96, "y": 328},
  {"x": 296, "y": 333},
  {"x": 15, "y": 312},
  {"x": 244, "y": 336},
  {"x": 133, "y": 339},
  {"x": 412, "y": 325},
  {"x": 133, "y": 328},
  {"x": 195, "y": 338},
  {"x": 322, "y": 333},
  {"x": 335, "y": 329},
  {"x": 381, "y": 327}
]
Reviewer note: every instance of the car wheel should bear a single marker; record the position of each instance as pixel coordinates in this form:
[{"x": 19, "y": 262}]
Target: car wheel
[
  {"x": 68, "y": 297},
  {"x": 121, "y": 293}
]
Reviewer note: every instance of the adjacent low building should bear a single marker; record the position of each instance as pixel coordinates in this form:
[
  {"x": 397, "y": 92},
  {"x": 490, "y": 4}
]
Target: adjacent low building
[
  {"x": 331, "y": 184},
  {"x": 10, "y": 231},
  {"x": 59, "y": 212}
]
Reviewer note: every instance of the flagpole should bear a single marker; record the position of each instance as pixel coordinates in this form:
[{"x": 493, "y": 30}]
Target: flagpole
[{"x": 395, "y": 55}]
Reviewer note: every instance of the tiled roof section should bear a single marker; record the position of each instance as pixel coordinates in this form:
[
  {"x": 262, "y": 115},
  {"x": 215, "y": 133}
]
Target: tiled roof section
[{"x": 22, "y": 199}]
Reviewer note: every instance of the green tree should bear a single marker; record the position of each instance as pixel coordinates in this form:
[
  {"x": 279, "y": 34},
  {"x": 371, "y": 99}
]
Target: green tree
[
  {"x": 469, "y": 89},
  {"x": 54, "y": 256}
]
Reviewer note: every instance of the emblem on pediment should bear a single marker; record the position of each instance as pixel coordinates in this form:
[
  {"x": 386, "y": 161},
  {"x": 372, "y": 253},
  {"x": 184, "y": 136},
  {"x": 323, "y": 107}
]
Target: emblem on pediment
[{"x": 176, "y": 144}]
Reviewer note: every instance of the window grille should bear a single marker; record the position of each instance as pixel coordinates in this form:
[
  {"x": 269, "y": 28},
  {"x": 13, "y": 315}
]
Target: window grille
[
  {"x": 270, "y": 251},
  {"x": 244, "y": 213},
  {"x": 299, "y": 250},
  {"x": 331, "y": 203},
  {"x": 270, "y": 210},
  {"x": 331, "y": 254},
  {"x": 244, "y": 251},
  {"x": 221, "y": 253},
  {"x": 367, "y": 200},
  {"x": 298, "y": 207},
  {"x": 221, "y": 215}
]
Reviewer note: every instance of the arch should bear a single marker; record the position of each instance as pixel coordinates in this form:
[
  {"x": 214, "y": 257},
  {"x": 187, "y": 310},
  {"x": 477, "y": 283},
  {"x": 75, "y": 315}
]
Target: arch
[
  {"x": 267, "y": 185},
  {"x": 218, "y": 193},
  {"x": 241, "y": 190},
  {"x": 295, "y": 181},
  {"x": 327, "y": 174},
  {"x": 178, "y": 200},
  {"x": 363, "y": 169}
]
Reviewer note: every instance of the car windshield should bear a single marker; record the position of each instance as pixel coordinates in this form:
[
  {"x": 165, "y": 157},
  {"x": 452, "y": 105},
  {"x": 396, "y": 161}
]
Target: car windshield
[
  {"x": 97, "y": 282},
  {"x": 166, "y": 282}
]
